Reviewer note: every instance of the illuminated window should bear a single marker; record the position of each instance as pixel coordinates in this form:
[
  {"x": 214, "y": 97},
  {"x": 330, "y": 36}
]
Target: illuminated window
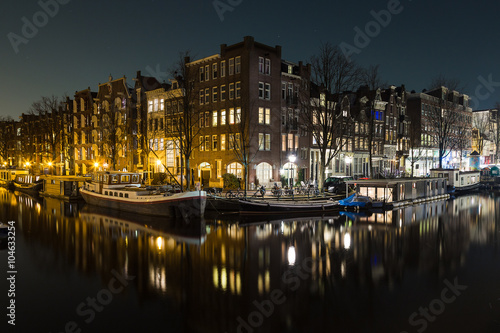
[
  {"x": 222, "y": 117},
  {"x": 223, "y": 142},
  {"x": 214, "y": 119}
]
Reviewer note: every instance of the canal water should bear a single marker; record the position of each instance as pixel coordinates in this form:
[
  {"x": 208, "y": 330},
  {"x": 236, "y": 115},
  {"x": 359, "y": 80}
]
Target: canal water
[{"x": 433, "y": 268}]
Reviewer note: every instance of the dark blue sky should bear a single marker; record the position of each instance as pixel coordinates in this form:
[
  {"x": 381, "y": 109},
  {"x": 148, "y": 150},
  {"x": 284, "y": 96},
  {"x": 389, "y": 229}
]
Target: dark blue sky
[{"x": 83, "y": 42}]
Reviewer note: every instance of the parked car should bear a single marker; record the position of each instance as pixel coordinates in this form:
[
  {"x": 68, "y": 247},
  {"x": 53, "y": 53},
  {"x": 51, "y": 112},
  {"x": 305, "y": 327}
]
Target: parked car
[{"x": 336, "y": 184}]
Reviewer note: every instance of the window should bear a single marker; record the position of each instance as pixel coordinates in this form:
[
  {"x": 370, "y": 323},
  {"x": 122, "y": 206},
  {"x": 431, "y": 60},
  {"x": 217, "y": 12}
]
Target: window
[
  {"x": 264, "y": 141},
  {"x": 202, "y": 75},
  {"x": 223, "y": 68},
  {"x": 162, "y": 104},
  {"x": 238, "y": 89},
  {"x": 268, "y": 67},
  {"x": 238, "y": 115},
  {"x": 231, "y": 116},
  {"x": 214, "y": 94},
  {"x": 207, "y": 72},
  {"x": 223, "y": 142},
  {"x": 201, "y": 143},
  {"x": 207, "y": 95},
  {"x": 207, "y": 143},
  {"x": 202, "y": 120},
  {"x": 222, "y": 117},
  {"x": 267, "y": 93},
  {"x": 214, "y": 119},
  {"x": 150, "y": 106},
  {"x": 261, "y": 115},
  {"x": 261, "y": 90},
  {"x": 214, "y": 71},
  {"x": 231, "y": 66},
  {"x": 231, "y": 91},
  {"x": 283, "y": 142},
  {"x": 265, "y": 116},
  {"x": 207, "y": 119},
  {"x": 202, "y": 97},
  {"x": 283, "y": 90},
  {"x": 223, "y": 93},
  {"x": 214, "y": 142},
  {"x": 261, "y": 65},
  {"x": 238, "y": 65}
]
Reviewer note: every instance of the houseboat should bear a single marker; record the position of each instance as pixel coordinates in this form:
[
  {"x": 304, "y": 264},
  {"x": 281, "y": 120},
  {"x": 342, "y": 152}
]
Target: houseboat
[
  {"x": 458, "y": 181},
  {"x": 391, "y": 193},
  {"x": 123, "y": 191},
  {"x": 29, "y": 184},
  {"x": 63, "y": 187},
  {"x": 7, "y": 177}
]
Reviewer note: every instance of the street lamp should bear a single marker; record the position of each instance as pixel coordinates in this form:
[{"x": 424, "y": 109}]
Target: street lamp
[
  {"x": 291, "y": 158},
  {"x": 348, "y": 160}
]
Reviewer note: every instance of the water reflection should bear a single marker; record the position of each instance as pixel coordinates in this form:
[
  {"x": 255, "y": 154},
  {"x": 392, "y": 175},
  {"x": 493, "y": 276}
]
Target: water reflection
[{"x": 335, "y": 273}]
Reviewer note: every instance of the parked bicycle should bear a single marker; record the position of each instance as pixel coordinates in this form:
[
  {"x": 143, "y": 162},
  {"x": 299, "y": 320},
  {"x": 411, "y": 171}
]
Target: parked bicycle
[
  {"x": 233, "y": 194},
  {"x": 261, "y": 191}
]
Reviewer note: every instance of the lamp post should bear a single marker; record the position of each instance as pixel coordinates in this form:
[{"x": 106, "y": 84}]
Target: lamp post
[
  {"x": 348, "y": 160},
  {"x": 292, "y": 158}
]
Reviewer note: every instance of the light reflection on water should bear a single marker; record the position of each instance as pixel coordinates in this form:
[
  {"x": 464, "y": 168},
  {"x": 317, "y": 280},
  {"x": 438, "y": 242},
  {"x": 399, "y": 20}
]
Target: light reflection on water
[{"x": 338, "y": 273}]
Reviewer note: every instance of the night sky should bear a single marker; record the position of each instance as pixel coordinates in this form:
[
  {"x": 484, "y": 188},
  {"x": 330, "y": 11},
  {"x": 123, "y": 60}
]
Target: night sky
[{"x": 81, "y": 42}]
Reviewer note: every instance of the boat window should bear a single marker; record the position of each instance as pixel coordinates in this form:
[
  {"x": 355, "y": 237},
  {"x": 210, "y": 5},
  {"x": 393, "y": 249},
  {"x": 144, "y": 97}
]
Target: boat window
[
  {"x": 135, "y": 178},
  {"x": 53, "y": 181},
  {"x": 121, "y": 195},
  {"x": 414, "y": 185},
  {"x": 114, "y": 179},
  {"x": 105, "y": 192},
  {"x": 462, "y": 181},
  {"x": 457, "y": 178},
  {"x": 125, "y": 179},
  {"x": 116, "y": 194},
  {"x": 105, "y": 179},
  {"x": 126, "y": 195}
]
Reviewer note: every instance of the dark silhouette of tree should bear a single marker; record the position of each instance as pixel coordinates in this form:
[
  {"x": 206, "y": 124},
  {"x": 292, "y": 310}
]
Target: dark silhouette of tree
[
  {"x": 331, "y": 75},
  {"x": 7, "y": 136}
]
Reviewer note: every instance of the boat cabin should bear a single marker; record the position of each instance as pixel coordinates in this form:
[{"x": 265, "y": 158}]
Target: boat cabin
[
  {"x": 398, "y": 189},
  {"x": 458, "y": 179},
  {"x": 7, "y": 175},
  {"x": 62, "y": 187}
]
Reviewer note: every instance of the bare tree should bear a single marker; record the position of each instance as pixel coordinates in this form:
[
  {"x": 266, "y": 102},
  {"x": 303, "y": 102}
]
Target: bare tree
[
  {"x": 7, "y": 134},
  {"x": 332, "y": 74},
  {"x": 482, "y": 130},
  {"x": 371, "y": 78},
  {"x": 51, "y": 119},
  {"x": 442, "y": 80},
  {"x": 444, "y": 123},
  {"x": 244, "y": 140},
  {"x": 495, "y": 131},
  {"x": 463, "y": 140},
  {"x": 417, "y": 151},
  {"x": 185, "y": 128}
]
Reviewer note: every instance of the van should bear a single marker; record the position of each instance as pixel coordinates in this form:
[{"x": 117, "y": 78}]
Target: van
[{"x": 336, "y": 184}]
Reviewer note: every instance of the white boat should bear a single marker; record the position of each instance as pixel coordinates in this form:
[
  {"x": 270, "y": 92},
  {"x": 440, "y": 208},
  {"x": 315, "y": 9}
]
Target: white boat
[
  {"x": 459, "y": 181},
  {"x": 123, "y": 191}
]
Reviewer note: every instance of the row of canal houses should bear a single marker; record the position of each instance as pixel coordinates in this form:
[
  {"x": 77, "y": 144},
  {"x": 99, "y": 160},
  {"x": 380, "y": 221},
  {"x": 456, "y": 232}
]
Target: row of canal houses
[{"x": 247, "y": 99}]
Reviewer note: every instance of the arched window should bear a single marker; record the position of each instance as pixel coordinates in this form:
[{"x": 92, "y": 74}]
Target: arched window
[
  {"x": 236, "y": 169},
  {"x": 264, "y": 173}
]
